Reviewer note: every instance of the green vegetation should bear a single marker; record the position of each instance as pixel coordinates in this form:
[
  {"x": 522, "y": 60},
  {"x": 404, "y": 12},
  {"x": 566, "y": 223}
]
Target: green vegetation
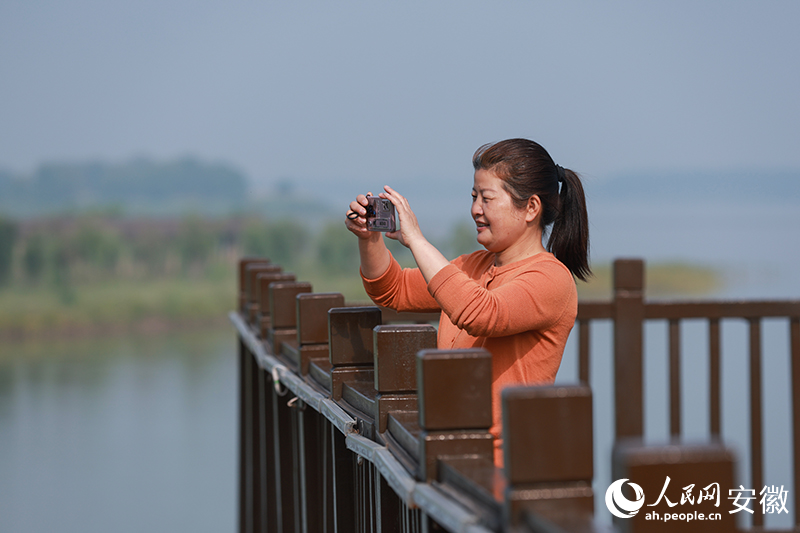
[{"x": 99, "y": 273}]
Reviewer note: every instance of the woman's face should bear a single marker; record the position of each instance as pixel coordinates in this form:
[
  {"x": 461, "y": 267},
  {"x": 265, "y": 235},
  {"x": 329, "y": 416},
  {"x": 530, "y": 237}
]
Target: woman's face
[{"x": 500, "y": 223}]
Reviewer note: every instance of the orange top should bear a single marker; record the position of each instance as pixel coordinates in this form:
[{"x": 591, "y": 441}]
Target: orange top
[{"x": 521, "y": 313}]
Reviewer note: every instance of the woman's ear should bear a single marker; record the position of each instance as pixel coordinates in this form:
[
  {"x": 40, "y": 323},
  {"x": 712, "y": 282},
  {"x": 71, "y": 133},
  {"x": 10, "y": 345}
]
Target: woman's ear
[{"x": 534, "y": 208}]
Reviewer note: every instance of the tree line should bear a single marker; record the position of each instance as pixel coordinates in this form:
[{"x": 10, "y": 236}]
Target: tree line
[
  {"x": 136, "y": 186},
  {"x": 72, "y": 249}
]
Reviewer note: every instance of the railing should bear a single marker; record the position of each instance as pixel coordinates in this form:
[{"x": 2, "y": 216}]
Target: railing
[
  {"x": 629, "y": 312},
  {"x": 353, "y": 422}
]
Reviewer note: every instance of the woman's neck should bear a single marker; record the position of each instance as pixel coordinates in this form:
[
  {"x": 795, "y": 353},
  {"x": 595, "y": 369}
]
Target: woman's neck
[{"x": 520, "y": 250}]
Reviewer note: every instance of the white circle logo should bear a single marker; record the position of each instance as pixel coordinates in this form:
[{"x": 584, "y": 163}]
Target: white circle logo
[{"x": 621, "y": 506}]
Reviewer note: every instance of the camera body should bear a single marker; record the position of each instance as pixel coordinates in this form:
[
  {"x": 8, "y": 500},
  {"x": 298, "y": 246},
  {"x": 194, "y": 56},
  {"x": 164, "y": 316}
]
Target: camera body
[{"x": 380, "y": 214}]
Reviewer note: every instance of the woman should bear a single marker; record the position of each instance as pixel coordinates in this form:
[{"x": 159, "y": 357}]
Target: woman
[{"x": 517, "y": 299}]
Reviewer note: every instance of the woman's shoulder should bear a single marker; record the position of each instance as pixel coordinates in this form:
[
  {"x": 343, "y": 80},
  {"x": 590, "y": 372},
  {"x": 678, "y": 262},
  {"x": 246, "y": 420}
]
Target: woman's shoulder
[
  {"x": 478, "y": 260},
  {"x": 544, "y": 263}
]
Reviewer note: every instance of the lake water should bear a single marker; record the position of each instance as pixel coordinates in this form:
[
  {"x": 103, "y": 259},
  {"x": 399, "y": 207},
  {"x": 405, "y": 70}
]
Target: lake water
[{"x": 119, "y": 435}]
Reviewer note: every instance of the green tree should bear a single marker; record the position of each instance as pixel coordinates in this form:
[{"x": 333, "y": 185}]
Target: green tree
[
  {"x": 61, "y": 258},
  {"x": 337, "y": 249},
  {"x": 34, "y": 257},
  {"x": 195, "y": 242},
  {"x": 150, "y": 248},
  {"x": 98, "y": 247},
  {"x": 8, "y": 237},
  {"x": 283, "y": 242}
]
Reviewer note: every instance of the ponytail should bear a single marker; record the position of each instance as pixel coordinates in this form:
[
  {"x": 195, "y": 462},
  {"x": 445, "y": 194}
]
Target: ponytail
[{"x": 569, "y": 238}]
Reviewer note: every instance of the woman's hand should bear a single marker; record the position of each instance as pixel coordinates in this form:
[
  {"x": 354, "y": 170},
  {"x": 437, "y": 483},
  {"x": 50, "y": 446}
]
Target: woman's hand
[
  {"x": 356, "y": 220},
  {"x": 428, "y": 258},
  {"x": 409, "y": 227}
]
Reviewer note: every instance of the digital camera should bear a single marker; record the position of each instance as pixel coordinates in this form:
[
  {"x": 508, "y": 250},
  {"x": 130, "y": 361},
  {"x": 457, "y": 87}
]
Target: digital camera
[{"x": 380, "y": 214}]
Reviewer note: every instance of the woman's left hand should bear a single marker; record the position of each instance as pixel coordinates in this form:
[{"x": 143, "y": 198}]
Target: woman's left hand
[
  {"x": 409, "y": 227},
  {"x": 428, "y": 258}
]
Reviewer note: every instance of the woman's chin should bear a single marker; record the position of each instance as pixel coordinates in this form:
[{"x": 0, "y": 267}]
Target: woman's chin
[{"x": 485, "y": 241}]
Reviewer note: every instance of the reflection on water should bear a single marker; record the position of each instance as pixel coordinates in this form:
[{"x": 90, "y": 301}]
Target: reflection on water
[{"x": 132, "y": 434}]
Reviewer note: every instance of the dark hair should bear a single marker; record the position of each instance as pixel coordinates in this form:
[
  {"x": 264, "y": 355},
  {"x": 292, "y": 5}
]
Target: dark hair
[{"x": 526, "y": 170}]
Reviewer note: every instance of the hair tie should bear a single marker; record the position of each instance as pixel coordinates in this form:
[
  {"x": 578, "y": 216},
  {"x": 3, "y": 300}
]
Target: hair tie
[{"x": 560, "y": 172}]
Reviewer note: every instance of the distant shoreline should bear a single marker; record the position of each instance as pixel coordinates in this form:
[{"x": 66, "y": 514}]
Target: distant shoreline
[{"x": 156, "y": 307}]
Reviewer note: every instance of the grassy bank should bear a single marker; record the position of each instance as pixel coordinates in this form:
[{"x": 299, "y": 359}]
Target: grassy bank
[{"x": 115, "y": 306}]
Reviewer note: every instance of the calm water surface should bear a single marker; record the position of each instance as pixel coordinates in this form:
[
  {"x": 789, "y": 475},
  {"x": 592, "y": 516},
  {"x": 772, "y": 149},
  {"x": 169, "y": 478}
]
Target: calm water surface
[{"x": 133, "y": 434}]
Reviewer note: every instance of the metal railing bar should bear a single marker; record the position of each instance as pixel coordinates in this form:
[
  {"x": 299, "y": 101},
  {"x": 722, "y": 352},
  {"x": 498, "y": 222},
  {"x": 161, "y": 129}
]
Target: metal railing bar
[
  {"x": 395, "y": 475},
  {"x": 362, "y": 446},
  {"x": 445, "y": 511},
  {"x": 337, "y": 416},
  {"x": 253, "y": 343},
  {"x": 302, "y": 390}
]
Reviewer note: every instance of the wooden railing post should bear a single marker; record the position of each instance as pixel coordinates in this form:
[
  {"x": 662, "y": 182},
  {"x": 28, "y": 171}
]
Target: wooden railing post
[
  {"x": 251, "y": 288},
  {"x": 455, "y": 407},
  {"x": 674, "y": 479},
  {"x": 548, "y": 455},
  {"x": 263, "y": 279},
  {"x": 241, "y": 303},
  {"x": 351, "y": 357},
  {"x": 311, "y": 342},
  {"x": 628, "y": 347},
  {"x": 351, "y": 347},
  {"x": 395, "y": 349},
  {"x": 283, "y": 311}
]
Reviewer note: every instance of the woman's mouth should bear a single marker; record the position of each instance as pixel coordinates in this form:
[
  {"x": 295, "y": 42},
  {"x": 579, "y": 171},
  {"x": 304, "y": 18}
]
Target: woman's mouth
[{"x": 481, "y": 225}]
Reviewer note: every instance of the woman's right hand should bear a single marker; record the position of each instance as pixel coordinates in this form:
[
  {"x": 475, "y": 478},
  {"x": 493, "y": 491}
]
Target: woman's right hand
[{"x": 358, "y": 223}]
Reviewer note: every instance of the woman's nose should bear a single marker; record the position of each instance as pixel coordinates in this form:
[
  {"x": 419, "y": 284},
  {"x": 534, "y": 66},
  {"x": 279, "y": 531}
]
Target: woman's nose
[{"x": 476, "y": 209}]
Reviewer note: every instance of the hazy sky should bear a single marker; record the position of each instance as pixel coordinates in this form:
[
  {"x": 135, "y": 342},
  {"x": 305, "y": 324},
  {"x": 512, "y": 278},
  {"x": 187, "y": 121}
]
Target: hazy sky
[{"x": 303, "y": 90}]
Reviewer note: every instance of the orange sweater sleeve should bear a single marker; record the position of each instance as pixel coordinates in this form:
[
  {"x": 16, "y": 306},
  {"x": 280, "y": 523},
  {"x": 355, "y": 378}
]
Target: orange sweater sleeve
[
  {"x": 401, "y": 289},
  {"x": 533, "y": 300}
]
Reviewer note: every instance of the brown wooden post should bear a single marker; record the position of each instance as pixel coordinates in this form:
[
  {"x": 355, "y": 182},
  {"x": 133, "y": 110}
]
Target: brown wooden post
[
  {"x": 244, "y": 357},
  {"x": 794, "y": 342},
  {"x": 548, "y": 454},
  {"x": 312, "y": 329},
  {"x": 251, "y": 289},
  {"x": 675, "y": 378},
  {"x": 283, "y": 311},
  {"x": 241, "y": 304},
  {"x": 395, "y": 349},
  {"x": 756, "y": 417},
  {"x": 714, "y": 389},
  {"x": 455, "y": 407},
  {"x": 628, "y": 347},
  {"x": 255, "y": 446},
  {"x": 673, "y": 479},
  {"x": 269, "y": 512},
  {"x": 351, "y": 348},
  {"x": 350, "y": 331},
  {"x": 263, "y": 279}
]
